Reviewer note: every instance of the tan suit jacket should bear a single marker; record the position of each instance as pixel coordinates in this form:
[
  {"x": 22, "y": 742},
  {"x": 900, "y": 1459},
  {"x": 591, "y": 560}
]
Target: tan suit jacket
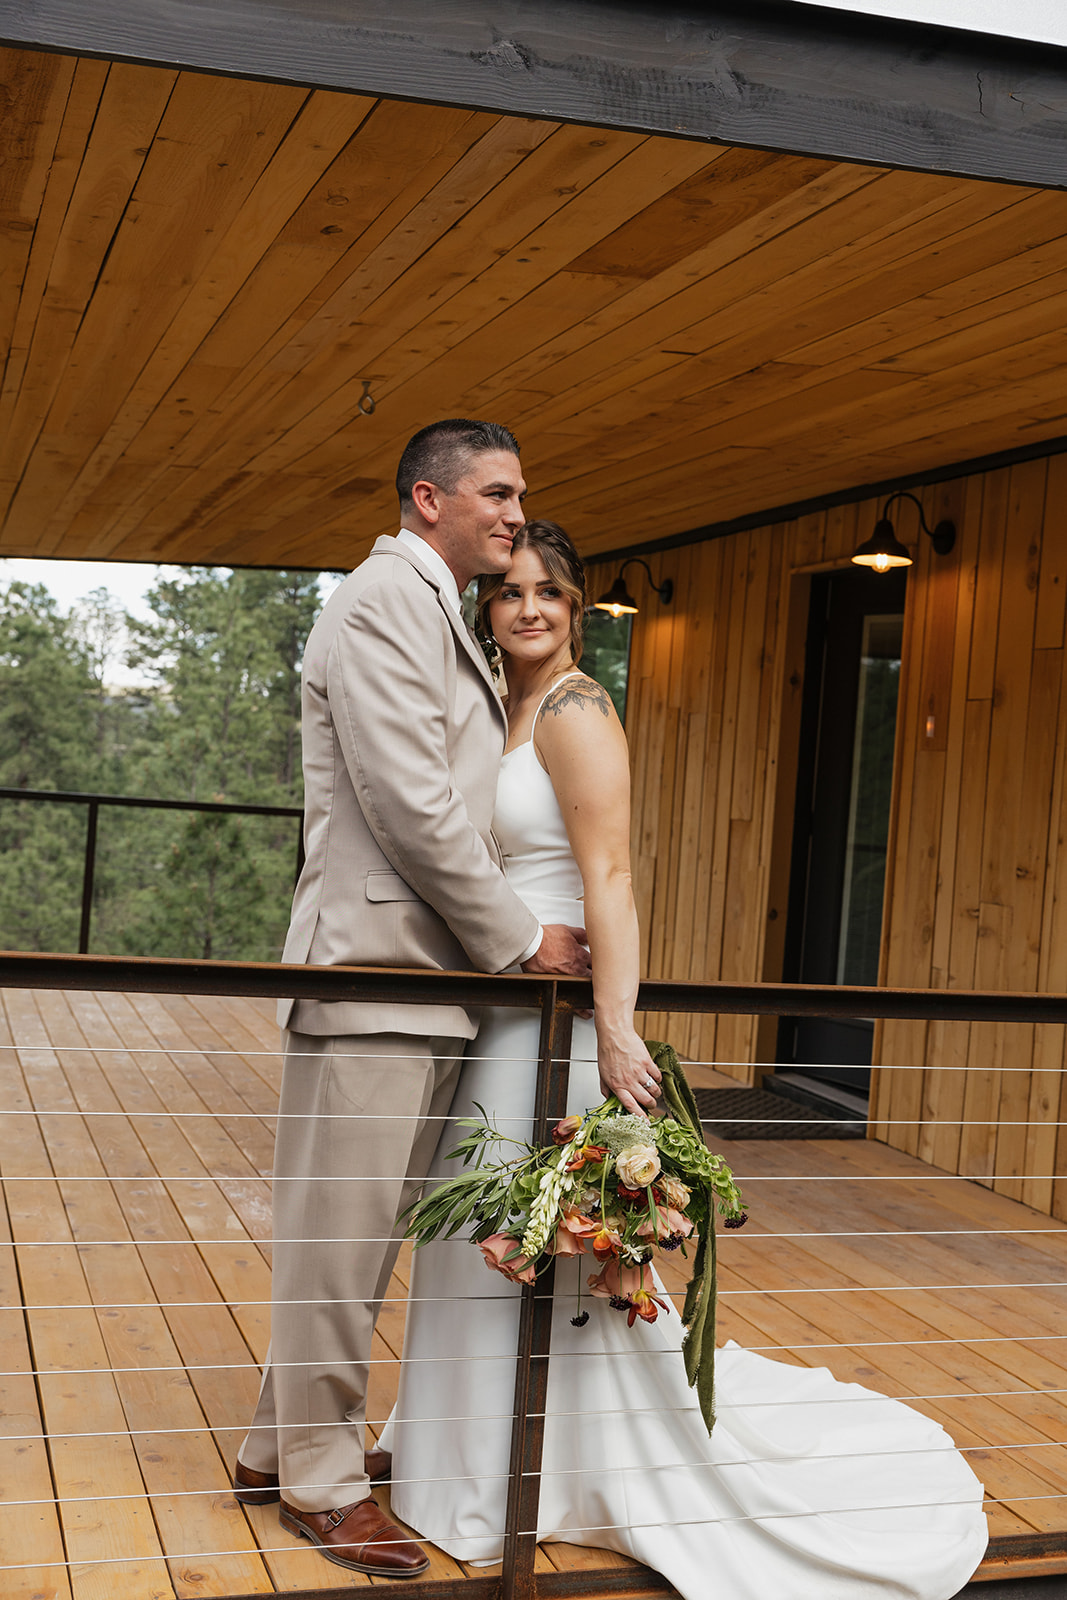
[{"x": 403, "y": 732}]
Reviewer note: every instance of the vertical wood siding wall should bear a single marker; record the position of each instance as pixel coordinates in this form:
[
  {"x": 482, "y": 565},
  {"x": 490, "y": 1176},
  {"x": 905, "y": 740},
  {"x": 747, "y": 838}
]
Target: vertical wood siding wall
[{"x": 978, "y": 856}]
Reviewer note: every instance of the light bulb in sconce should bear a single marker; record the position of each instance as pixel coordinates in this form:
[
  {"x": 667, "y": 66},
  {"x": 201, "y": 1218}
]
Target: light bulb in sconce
[
  {"x": 884, "y": 550},
  {"x": 618, "y": 601}
]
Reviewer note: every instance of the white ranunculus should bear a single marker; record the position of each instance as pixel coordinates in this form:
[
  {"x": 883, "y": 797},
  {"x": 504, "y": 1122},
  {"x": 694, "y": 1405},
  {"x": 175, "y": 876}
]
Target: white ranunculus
[{"x": 638, "y": 1165}]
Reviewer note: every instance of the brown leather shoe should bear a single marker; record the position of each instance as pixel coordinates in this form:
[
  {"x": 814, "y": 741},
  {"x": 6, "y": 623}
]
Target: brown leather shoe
[
  {"x": 254, "y": 1488},
  {"x": 360, "y": 1537}
]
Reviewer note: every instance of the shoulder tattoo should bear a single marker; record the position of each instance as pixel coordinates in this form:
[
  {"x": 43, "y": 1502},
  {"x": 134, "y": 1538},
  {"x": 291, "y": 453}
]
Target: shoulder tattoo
[{"x": 582, "y": 693}]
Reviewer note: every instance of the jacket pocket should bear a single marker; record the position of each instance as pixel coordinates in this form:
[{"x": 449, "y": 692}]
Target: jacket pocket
[{"x": 384, "y": 886}]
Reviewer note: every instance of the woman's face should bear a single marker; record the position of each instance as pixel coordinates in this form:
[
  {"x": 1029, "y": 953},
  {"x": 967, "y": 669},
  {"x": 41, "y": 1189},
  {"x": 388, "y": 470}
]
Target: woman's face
[{"x": 531, "y": 618}]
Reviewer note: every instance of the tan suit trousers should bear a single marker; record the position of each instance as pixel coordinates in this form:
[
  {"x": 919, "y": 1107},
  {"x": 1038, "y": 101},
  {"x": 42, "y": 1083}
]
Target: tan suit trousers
[{"x": 359, "y": 1120}]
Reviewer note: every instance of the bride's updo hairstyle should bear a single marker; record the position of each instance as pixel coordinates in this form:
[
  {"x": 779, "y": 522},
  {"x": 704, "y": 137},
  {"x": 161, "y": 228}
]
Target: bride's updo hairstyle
[{"x": 565, "y": 569}]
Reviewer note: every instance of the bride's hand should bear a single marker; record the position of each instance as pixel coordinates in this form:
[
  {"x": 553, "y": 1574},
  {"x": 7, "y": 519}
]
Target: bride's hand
[{"x": 628, "y": 1072}]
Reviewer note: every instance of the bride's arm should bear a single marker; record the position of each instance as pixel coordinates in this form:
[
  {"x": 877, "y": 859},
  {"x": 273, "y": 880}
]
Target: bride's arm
[{"x": 580, "y": 742}]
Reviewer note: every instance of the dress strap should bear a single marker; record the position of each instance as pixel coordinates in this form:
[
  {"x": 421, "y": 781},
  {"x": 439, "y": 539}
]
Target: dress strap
[{"x": 577, "y": 673}]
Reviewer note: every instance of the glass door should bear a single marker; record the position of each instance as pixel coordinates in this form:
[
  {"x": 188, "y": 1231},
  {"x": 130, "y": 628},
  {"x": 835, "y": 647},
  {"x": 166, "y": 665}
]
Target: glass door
[
  {"x": 867, "y": 833},
  {"x": 841, "y": 833}
]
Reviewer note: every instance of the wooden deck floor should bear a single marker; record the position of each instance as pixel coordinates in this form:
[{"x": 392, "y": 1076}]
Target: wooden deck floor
[{"x": 133, "y": 1305}]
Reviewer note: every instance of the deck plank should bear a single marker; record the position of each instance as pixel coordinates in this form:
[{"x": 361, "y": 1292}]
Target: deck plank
[
  {"x": 882, "y": 1271},
  {"x": 36, "y": 1559},
  {"x": 107, "y": 1519},
  {"x": 184, "y": 1475}
]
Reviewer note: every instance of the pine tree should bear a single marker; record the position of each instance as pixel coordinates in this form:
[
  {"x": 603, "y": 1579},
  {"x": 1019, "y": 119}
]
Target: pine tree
[
  {"x": 222, "y": 722},
  {"x": 47, "y": 741},
  {"x": 225, "y": 649}
]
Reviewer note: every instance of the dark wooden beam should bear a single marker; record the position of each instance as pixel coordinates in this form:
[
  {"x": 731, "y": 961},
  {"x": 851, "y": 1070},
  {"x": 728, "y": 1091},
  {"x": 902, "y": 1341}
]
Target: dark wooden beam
[
  {"x": 770, "y": 516},
  {"x": 749, "y": 72},
  {"x": 27, "y": 969}
]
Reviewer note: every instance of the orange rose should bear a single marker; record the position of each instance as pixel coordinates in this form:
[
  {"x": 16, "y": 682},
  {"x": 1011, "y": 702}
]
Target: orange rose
[
  {"x": 669, "y": 1224},
  {"x": 625, "y": 1288},
  {"x": 517, "y": 1268},
  {"x": 573, "y": 1232},
  {"x": 615, "y": 1282}
]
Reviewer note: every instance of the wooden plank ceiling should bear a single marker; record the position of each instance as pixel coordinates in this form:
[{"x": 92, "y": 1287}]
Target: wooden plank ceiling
[{"x": 203, "y": 276}]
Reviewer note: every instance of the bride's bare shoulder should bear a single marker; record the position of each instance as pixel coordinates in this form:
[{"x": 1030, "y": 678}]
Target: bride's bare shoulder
[{"x": 577, "y": 694}]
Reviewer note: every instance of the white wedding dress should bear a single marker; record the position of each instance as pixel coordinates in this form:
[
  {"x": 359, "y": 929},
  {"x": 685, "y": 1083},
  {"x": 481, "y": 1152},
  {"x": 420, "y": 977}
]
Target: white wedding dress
[{"x": 808, "y": 1489}]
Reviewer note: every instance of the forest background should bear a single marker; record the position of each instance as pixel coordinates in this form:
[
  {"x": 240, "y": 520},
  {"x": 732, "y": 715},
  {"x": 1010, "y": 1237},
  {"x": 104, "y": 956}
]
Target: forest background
[{"x": 214, "y": 717}]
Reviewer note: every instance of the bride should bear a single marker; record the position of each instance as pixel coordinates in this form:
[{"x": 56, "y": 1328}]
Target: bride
[{"x": 808, "y": 1488}]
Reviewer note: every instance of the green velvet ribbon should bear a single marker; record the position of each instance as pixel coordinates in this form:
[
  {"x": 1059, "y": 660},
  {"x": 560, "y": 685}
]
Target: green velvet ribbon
[{"x": 698, "y": 1314}]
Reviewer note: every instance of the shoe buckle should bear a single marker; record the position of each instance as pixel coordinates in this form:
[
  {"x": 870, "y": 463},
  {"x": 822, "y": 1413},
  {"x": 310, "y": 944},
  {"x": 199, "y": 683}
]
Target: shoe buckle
[{"x": 335, "y": 1518}]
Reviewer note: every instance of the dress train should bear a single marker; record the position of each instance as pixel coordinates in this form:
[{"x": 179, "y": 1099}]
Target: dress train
[{"x": 808, "y": 1489}]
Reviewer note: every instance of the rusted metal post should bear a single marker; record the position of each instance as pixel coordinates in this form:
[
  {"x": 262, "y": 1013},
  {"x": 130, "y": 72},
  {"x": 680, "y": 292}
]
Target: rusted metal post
[
  {"x": 535, "y": 1328},
  {"x": 87, "y": 878}
]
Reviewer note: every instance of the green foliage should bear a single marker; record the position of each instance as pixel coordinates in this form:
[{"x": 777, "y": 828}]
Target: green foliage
[
  {"x": 47, "y": 696},
  {"x": 49, "y": 739},
  {"x": 221, "y": 722},
  {"x": 606, "y": 656},
  {"x": 226, "y": 650},
  {"x": 42, "y": 849}
]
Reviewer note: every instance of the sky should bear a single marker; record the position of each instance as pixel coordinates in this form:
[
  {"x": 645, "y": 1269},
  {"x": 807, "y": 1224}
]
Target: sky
[
  {"x": 70, "y": 581},
  {"x": 1044, "y": 20},
  {"x": 128, "y": 581}
]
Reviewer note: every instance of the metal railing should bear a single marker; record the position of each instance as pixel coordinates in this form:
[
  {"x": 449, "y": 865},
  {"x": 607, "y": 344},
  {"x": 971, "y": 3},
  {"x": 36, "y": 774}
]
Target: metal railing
[
  {"x": 95, "y": 801},
  {"x": 557, "y": 999}
]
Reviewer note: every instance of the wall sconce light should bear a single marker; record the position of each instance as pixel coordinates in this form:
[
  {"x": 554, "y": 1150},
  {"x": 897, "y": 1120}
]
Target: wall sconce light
[
  {"x": 884, "y": 550},
  {"x": 618, "y": 599}
]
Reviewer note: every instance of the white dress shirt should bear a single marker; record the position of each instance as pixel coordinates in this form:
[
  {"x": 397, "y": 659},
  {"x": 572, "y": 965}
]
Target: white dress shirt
[{"x": 437, "y": 565}]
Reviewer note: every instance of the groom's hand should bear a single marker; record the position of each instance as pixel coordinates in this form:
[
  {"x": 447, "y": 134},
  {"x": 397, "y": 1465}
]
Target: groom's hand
[{"x": 563, "y": 951}]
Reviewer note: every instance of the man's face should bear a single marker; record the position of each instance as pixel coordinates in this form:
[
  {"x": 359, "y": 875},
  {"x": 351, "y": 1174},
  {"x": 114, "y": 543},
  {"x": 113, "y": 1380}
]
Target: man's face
[{"x": 477, "y": 522}]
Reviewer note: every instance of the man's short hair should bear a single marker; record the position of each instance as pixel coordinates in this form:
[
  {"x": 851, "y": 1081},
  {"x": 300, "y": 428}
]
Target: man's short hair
[{"x": 441, "y": 453}]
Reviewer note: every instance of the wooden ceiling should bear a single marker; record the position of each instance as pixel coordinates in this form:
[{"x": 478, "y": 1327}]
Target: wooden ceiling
[{"x": 203, "y": 276}]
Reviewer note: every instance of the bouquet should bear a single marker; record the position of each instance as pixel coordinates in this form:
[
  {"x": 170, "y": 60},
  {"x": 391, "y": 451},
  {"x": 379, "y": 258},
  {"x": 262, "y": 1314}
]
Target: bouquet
[{"x": 612, "y": 1185}]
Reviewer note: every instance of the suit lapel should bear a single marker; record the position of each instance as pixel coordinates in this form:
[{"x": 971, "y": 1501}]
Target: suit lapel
[{"x": 465, "y": 639}]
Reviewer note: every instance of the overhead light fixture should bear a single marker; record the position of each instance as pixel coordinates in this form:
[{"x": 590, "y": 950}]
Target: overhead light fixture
[
  {"x": 884, "y": 550},
  {"x": 620, "y": 602}
]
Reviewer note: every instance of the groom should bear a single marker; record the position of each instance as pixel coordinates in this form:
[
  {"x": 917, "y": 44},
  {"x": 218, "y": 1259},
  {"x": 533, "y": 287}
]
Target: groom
[{"x": 402, "y": 736}]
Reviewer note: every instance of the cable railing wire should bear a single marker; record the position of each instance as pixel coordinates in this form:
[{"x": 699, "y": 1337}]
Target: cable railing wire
[
  {"x": 755, "y": 1236},
  {"x": 576, "y": 1472},
  {"x": 526, "y": 1533},
  {"x": 198, "y": 978},
  {"x": 452, "y": 1300},
  {"x": 722, "y": 1407}
]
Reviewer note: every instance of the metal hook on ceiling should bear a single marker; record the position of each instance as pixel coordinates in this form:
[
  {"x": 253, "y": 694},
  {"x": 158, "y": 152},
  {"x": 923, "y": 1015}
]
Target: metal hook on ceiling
[{"x": 366, "y": 402}]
